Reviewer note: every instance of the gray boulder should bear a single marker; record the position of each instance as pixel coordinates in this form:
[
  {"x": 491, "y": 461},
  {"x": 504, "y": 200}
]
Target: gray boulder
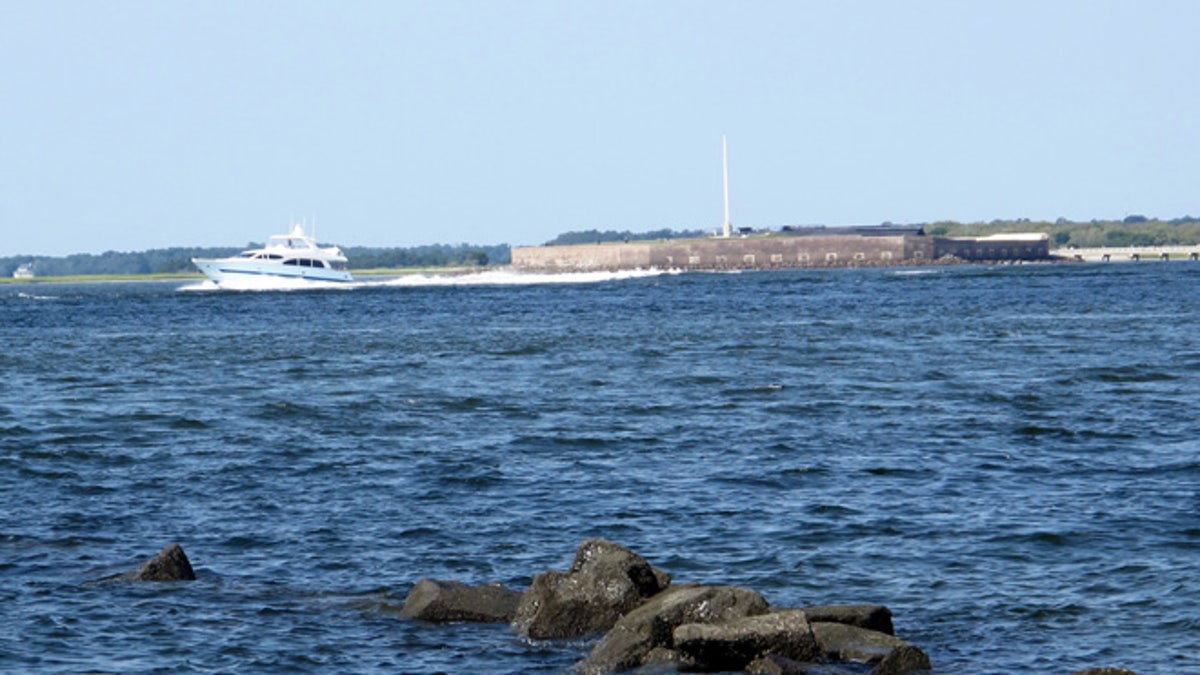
[
  {"x": 871, "y": 617},
  {"x": 443, "y": 601},
  {"x": 171, "y": 564},
  {"x": 851, "y": 643},
  {"x": 902, "y": 660},
  {"x": 774, "y": 664},
  {"x": 732, "y": 645},
  {"x": 605, "y": 581},
  {"x": 646, "y": 634}
]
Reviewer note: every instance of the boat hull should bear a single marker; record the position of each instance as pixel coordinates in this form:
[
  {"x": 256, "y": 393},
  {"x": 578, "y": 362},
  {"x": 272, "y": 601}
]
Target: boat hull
[{"x": 224, "y": 271}]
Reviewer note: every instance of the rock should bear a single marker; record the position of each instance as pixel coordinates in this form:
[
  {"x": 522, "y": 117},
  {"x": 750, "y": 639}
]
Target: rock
[
  {"x": 851, "y": 643},
  {"x": 649, "y": 629},
  {"x": 171, "y": 564},
  {"x": 668, "y": 660},
  {"x": 440, "y": 601},
  {"x": 774, "y": 664},
  {"x": 872, "y": 617},
  {"x": 732, "y": 645},
  {"x": 604, "y": 582},
  {"x": 902, "y": 660}
]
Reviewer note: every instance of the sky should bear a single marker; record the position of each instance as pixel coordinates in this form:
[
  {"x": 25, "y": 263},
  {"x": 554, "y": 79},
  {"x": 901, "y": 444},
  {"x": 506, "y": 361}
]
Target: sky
[{"x": 128, "y": 125}]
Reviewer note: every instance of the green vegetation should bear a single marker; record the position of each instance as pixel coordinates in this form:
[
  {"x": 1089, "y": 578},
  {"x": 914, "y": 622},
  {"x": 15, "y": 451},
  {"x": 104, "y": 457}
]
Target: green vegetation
[
  {"x": 596, "y": 236},
  {"x": 178, "y": 261},
  {"x": 1133, "y": 230},
  {"x": 436, "y": 255}
]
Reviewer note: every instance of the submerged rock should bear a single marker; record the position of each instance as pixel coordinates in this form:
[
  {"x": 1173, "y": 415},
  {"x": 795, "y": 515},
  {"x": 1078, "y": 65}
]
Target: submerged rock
[
  {"x": 604, "y": 582},
  {"x": 171, "y": 564},
  {"x": 441, "y": 601},
  {"x": 168, "y": 565}
]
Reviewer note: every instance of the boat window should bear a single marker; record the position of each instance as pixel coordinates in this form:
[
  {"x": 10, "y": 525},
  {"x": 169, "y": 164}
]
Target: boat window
[
  {"x": 291, "y": 261},
  {"x": 272, "y": 256},
  {"x": 319, "y": 263}
]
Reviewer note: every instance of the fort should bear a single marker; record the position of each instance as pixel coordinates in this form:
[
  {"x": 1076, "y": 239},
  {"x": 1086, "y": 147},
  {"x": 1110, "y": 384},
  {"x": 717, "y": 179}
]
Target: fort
[{"x": 790, "y": 247}]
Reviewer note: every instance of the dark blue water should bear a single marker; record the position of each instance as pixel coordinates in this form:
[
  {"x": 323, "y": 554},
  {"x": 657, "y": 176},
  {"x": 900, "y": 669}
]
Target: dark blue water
[{"x": 1006, "y": 457}]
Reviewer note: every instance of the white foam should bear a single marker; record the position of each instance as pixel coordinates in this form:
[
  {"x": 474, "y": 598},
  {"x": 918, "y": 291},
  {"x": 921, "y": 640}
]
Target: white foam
[
  {"x": 914, "y": 273},
  {"x": 511, "y": 278},
  {"x": 487, "y": 278}
]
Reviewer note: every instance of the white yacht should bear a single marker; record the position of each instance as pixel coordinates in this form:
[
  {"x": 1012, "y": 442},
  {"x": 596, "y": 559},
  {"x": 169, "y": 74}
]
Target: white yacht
[{"x": 293, "y": 256}]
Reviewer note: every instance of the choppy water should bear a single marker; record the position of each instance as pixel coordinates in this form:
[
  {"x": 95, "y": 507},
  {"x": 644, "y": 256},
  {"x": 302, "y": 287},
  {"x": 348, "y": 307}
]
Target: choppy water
[{"x": 1006, "y": 457}]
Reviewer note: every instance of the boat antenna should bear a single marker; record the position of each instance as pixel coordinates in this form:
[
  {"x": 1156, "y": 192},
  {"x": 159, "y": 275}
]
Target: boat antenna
[{"x": 726, "y": 227}]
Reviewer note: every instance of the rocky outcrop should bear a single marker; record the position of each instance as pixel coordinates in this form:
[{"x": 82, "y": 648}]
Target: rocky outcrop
[
  {"x": 444, "y": 601},
  {"x": 648, "y": 623},
  {"x": 647, "y": 634},
  {"x": 604, "y": 582}
]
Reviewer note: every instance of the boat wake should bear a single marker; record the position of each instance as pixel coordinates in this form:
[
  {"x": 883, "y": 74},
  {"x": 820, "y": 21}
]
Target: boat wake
[
  {"x": 511, "y": 278},
  {"x": 487, "y": 278},
  {"x": 31, "y": 296}
]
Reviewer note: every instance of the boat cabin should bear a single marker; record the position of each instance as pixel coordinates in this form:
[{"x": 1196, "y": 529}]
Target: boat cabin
[{"x": 306, "y": 262}]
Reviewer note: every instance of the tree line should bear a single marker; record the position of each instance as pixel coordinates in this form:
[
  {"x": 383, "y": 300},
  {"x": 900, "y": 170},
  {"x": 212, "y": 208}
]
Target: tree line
[
  {"x": 1134, "y": 230},
  {"x": 598, "y": 236},
  {"x": 179, "y": 260}
]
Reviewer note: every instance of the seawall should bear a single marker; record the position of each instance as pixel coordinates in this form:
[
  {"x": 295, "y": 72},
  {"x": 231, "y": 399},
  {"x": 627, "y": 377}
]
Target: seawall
[{"x": 774, "y": 251}]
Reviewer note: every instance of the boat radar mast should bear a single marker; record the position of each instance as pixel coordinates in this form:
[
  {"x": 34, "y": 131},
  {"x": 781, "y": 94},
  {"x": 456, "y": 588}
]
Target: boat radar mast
[{"x": 726, "y": 227}]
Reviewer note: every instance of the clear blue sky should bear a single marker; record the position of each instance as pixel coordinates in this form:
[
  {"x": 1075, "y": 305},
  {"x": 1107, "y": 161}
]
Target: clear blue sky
[{"x": 129, "y": 125}]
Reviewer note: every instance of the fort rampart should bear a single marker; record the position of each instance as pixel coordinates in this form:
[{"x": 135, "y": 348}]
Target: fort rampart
[{"x": 778, "y": 252}]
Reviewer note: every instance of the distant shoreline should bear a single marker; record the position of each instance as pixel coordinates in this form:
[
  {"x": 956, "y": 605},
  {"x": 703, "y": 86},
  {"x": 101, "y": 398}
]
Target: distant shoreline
[
  {"x": 190, "y": 276},
  {"x": 1091, "y": 254}
]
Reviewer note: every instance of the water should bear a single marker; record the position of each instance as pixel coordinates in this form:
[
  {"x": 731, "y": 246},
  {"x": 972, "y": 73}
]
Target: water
[{"x": 1006, "y": 457}]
